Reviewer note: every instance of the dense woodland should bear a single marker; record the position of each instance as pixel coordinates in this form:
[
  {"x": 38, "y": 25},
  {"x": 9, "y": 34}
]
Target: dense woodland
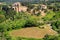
[{"x": 11, "y": 20}]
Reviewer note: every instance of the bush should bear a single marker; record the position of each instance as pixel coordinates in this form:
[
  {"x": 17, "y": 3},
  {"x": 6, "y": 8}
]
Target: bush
[
  {"x": 56, "y": 26},
  {"x": 49, "y": 15},
  {"x": 19, "y": 23},
  {"x": 49, "y": 37},
  {"x": 2, "y": 18},
  {"x": 30, "y": 20}
]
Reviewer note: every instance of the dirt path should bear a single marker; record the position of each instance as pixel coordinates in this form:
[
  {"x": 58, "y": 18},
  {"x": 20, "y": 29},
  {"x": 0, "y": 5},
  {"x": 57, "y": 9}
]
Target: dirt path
[{"x": 32, "y": 32}]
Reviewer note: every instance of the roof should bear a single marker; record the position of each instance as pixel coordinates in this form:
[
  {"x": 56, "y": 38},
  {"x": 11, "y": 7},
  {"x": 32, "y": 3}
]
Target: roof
[{"x": 17, "y": 3}]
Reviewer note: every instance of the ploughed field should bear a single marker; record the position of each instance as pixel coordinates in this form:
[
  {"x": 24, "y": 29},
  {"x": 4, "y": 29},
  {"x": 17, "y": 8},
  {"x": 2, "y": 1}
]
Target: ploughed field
[{"x": 32, "y": 32}]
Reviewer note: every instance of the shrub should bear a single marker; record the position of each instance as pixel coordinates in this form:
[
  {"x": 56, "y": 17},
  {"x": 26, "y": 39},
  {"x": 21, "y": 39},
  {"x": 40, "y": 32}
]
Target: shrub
[
  {"x": 49, "y": 15},
  {"x": 56, "y": 26},
  {"x": 31, "y": 21},
  {"x": 49, "y": 37},
  {"x": 2, "y": 18}
]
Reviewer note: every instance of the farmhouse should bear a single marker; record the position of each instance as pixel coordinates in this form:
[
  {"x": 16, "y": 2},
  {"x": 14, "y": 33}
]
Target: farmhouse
[
  {"x": 18, "y": 7},
  {"x": 43, "y": 6}
]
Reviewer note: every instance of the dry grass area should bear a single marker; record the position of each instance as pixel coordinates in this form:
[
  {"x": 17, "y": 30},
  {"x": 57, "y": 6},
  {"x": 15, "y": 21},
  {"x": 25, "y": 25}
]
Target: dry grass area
[{"x": 32, "y": 32}]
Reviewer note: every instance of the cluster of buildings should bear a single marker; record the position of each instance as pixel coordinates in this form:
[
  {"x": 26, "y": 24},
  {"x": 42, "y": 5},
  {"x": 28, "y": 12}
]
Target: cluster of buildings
[{"x": 19, "y": 8}]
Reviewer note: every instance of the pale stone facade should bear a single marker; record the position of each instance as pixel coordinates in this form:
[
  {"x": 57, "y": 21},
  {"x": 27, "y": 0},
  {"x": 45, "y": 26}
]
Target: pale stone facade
[
  {"x": 18, "y": 7},
  {"x": 43, "y": 6}
]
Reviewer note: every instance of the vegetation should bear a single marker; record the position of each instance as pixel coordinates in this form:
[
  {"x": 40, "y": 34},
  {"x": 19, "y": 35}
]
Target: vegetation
[
  {"x": 11, "y": 20},
  {"x": 49, "y": 37}
]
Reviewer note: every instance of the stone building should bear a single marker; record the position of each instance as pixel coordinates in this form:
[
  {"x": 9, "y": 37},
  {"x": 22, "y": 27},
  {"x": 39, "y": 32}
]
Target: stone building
[
  {"x": 43, "y": 6},
  {"x": 18, "y": 7}
]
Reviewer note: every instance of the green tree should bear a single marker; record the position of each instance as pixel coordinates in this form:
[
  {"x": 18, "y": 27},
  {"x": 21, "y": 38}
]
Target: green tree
[{"x": 2, "y": 18}]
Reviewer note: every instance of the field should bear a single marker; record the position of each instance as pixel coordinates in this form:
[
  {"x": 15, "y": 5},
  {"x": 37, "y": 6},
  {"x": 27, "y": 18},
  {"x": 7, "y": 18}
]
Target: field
[{"x": 32, "y": 32}]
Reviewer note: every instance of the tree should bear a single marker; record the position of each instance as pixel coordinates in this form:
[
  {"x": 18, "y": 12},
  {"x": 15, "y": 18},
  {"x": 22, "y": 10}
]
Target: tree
[
  {"x": 49, "y": 15},
  {"x": 2, "y": 18},
  {"x": 56, "y": 26},
  {"x": 9, "y": 12},
  {"x": 49, "y": 37}
]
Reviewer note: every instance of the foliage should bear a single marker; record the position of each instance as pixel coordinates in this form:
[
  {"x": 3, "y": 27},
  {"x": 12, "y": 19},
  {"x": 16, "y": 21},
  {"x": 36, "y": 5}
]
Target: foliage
[
  {"x": 2, "y": 18},
  {"x": 30, "y": 20},
  {"x": 49, "y": 37},
  {"x": 22, "y": 38},
  {"x": 9, "y": 12},
  {"x": 49, "y": 15},
  {"x": 20, "y": 20},
  {"x": 10, "y": 20},
  {"x": 56, "y": 26},
  {"x": 10, "y": 25},
  {"x": 57, "y": 15},
  {"x": 2, "y": 12}
]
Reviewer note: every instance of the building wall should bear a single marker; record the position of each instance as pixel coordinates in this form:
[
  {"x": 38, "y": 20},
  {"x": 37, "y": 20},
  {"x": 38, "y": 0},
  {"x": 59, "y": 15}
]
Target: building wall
[{"x": 18, "y": 7}]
